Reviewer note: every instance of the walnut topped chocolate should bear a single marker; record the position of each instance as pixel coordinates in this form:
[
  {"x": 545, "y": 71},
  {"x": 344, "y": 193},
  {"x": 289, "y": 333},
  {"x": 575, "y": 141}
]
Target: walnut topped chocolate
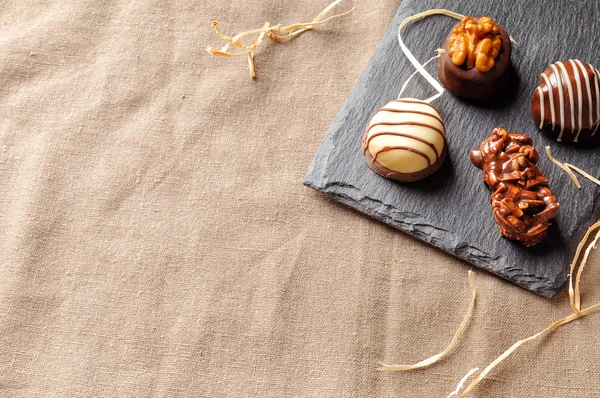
[
  {"x": 476, "y": 63},
  {"x": 475, "y": 43},
  {"x": 521, "y": 200}
]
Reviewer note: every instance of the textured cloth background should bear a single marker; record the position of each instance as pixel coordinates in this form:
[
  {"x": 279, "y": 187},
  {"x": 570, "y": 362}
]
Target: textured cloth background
[{"x": 156, "y": 239}]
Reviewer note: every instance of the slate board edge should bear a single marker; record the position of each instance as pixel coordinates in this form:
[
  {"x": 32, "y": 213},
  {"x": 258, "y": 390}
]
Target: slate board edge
[{"x": 476, "y": 258}]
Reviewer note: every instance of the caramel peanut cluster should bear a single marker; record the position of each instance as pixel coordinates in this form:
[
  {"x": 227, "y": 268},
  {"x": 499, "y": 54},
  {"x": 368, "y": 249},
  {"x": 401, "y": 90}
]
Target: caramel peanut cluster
[
  {"x": 475, "y": 44},
  {"x": 521, "y": 200}
]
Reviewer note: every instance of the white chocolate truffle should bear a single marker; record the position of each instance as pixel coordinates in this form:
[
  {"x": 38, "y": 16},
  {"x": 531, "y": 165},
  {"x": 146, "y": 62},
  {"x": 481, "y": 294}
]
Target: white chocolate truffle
[{"x": 405, "y": 140}]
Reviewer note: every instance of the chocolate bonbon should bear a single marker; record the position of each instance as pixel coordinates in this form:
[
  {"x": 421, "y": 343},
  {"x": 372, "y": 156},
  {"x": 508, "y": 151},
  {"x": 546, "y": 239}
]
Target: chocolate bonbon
[
  {"x": 566, "y": 103},
  {"x": 405, "y": 140},
  {"x": 521, "y": 199},
  {"x": 476, "y": 59}
]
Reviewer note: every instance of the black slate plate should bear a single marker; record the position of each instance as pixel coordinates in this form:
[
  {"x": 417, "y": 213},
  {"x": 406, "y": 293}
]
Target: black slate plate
[{"x": 451, "y": 209}]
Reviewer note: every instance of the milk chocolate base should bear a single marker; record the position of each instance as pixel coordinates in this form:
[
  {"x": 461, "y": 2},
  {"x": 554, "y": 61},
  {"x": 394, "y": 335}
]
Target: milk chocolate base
[
  {"x": 472, "y": 84},
  {"x": 403, "y": 177}
]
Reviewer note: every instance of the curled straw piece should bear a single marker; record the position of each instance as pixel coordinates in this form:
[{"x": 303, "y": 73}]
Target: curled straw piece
[
  {"x": 583, "y": 173},
  {"x": 574, "y": 298},
  {"x": 462, "y": 382},
  {"x": 574, "y": 293},
  {"x": 440, "y": 51},
  {"x": 275, "y": 32},
  {"x": 562, "y": 166},
  {"x": 420, "y": 69},
  {"x": 430, "y": 361}
]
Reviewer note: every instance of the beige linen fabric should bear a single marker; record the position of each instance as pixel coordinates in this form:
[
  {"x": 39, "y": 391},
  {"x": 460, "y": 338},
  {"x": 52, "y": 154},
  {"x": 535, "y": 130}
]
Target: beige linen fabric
[{"x": 156, "y": 240}]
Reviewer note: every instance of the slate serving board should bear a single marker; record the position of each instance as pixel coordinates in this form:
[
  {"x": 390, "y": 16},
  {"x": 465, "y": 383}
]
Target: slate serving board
[{"x": 451, "y": 209}]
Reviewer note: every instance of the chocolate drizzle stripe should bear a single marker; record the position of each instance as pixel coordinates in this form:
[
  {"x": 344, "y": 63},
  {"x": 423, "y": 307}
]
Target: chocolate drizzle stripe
[
  {"x": 409, "y": 111},
  {"x": 563, "y": 69},
  {"x": 589, "y": 91},
  {"x": 551, "y": 97},
  {"x": 408, "y": 124},
  {"x": 579, "y": 99},
  {"x": 597, "y": 90},
  {"x": 541, "y": 93},
  {"x": 405, "y": 148},
  {"x": 561, "y": 100},
  {"x": 424, "y": 141}
]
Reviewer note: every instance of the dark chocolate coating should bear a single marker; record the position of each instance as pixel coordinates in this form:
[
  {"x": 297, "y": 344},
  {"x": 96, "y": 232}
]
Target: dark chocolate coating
[
  {"x": 582, "y": 79},
  {"x": 471, "y": 83}
]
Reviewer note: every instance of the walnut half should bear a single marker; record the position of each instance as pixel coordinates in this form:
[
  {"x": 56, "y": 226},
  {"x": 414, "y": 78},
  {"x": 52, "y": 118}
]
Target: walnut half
[{"x": 475, "y": 43}]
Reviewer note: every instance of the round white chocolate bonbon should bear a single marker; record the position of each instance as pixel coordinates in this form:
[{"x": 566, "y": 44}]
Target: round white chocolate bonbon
[{"x": 405, "y": 140}]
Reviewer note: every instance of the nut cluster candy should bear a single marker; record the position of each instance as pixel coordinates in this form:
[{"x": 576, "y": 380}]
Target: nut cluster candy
[{"x": 521, "y": 200}]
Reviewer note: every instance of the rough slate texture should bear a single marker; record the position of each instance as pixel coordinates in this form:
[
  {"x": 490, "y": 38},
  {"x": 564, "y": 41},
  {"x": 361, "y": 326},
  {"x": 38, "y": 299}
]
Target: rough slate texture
[{"x": 451, "y": 209}]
